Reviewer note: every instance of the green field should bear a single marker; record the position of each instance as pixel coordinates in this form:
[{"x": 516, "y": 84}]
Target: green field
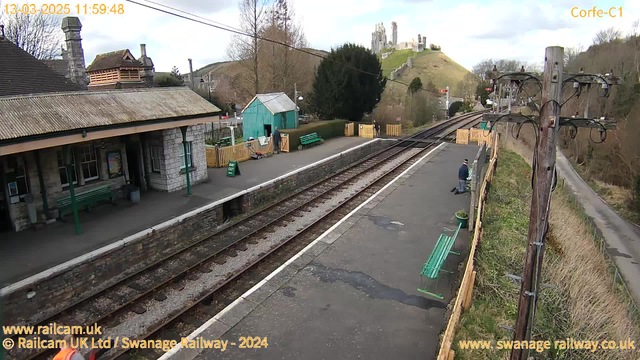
[
  {"x": 428, "y": 65},
  {"x": 396, "y": 59}
]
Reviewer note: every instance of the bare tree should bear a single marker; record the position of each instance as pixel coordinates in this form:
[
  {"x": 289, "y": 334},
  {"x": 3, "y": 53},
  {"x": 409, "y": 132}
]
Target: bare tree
[
  {"x": 245, "y": 49},
  {"x": 39, "y": 34},
  {"x": 282, "y": 67},
  {"x": 467, "y": 87},
  {"x": 571, "y": 53},
  {"x": 606, "y": 36},
  {"x": 634, "y": 38},
  {"x": 481, "y": 68}
]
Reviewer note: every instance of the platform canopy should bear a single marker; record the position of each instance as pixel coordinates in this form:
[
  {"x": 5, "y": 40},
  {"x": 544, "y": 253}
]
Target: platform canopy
[{"x": 29, "y": 122}]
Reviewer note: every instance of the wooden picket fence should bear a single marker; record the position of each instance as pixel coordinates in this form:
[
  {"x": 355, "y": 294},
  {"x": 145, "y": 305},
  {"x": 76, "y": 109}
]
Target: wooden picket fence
[
  {"x": 220, "y": 157},
  {"x": 349, "y": 129},
  {"x": 464, "y": 297},
  {"x": 462, "y": 136},
  {"x": 366, "y": 131},
  {"x": 394, "y": 130}
]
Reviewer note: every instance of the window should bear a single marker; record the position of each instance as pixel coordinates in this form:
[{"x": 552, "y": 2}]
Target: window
[
  {"x": 21, "y": 178},
  {"x": 181, "y": 154},
  {"x": 156, "y": 157},
  {"x": 62, "y": 169},
  {"x": 89, "y": 162}
]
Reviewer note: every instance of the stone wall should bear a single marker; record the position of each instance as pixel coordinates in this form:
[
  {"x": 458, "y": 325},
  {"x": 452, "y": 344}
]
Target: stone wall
[
  {"x": 283, "y": 187},
  {"x": 96, "y": 271},
  {"x": 171, "y": 177}
]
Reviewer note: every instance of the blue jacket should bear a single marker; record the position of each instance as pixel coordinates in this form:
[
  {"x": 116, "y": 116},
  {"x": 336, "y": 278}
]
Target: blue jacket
[{"x": 463, "y": 172}]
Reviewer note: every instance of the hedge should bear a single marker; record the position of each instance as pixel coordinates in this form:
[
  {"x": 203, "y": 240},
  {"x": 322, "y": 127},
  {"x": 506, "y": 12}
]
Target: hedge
[{"x": 325, "y": 129}]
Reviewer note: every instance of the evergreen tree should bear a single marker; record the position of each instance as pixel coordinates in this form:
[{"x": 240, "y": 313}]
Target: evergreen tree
[{"x": 340, "y": 91}]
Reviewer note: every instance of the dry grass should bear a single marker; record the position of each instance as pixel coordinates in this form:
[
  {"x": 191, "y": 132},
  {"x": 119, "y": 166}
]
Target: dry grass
[
  {"x": 585, "y": 305},
  {"x": 596, "y": 310}
]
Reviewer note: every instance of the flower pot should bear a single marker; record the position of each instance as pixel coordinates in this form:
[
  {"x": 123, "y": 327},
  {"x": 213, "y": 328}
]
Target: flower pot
[{"x": 462, "y": 221}]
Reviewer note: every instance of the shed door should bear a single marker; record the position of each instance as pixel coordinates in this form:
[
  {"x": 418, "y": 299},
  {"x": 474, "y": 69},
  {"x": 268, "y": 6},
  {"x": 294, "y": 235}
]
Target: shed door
[{"x": 267, "y": 130}]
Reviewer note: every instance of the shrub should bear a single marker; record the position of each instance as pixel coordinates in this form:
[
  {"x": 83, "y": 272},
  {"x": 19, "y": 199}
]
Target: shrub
[
  {"x": 324, "y": 129},
  {"x": 461, "y": 214}
]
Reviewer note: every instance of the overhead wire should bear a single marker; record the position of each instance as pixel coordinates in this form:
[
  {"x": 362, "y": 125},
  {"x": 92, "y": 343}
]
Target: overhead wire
[{"x": 220, "y": 26}]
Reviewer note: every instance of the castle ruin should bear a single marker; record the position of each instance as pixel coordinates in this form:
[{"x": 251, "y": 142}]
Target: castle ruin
[{"x": 378, "y": 39}]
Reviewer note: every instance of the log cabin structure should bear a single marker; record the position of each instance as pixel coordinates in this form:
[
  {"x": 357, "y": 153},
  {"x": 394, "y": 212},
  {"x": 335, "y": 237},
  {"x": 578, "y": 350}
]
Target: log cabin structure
[{"x": 115, "y": 70}]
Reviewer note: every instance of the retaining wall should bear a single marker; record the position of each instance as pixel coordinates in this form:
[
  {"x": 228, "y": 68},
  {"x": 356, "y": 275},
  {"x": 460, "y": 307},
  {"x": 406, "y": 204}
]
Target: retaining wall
[{"x": 38, "y": 297}]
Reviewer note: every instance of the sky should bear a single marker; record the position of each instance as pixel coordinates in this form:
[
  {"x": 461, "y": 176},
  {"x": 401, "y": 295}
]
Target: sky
[{"x": 468, "y": 32}]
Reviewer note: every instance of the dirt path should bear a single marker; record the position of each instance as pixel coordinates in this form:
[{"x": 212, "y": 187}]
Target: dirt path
[{"x": 622, "y": 237}]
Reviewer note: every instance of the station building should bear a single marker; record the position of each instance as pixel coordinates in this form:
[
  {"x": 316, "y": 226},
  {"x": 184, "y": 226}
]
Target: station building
[{"x": 57, "y": 139}]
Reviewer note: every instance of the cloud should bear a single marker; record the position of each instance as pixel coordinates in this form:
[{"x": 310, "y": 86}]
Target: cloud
[{"x": 467, "y": 32}]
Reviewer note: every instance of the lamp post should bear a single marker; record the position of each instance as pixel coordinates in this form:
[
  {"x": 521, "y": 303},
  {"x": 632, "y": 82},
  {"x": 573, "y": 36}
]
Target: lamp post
[
  {"x": 296, "y": 97},
  {"x": 208, "y": 87}
]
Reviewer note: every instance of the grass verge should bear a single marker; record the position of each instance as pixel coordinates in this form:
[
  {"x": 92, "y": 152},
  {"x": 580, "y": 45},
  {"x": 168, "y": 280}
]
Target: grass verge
[
  {"x": 617, "y": 197},
  {"x": 584, "y": 303}
]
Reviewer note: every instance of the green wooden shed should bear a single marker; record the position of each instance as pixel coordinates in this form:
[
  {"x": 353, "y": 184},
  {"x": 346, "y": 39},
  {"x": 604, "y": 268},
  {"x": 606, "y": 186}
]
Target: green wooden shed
[{"x": 265, "y": 112}]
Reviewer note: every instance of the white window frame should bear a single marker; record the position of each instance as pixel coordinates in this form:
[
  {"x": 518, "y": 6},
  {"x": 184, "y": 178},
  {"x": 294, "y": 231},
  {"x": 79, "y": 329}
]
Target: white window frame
[
  {"x": 64, "y": 166},
  {"x": 22, "y": 178},
  {"x": 93, "y": 160},
  {"x": 155, "y": 153},
  {"x": 181, "y": 155}
]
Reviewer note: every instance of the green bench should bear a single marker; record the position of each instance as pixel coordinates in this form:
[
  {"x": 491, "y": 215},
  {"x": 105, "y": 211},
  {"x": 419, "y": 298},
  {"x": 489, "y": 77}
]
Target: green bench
[
  {"x": 433, "y": 266},
  {"x": 84, "y": 199},
  {"x": 310, "y": 139}
]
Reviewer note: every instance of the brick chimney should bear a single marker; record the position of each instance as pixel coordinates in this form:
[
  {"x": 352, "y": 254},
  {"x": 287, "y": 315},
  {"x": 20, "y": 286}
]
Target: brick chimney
[
  {"x": 148, "y": 72},
  {"x": 74, "y": 55}
]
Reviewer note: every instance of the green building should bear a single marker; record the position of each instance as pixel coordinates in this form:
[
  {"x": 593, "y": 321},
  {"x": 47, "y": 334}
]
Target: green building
[{"x": 265, "y": 112}]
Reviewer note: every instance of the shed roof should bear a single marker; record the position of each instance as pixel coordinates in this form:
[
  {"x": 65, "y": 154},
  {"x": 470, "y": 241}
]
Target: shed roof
[
  {"x": 275, "y": 102},
  {"x": 31, "y": 115},
  {"x": 114, "y": 60},
  {"x": 21, "y": 73}
]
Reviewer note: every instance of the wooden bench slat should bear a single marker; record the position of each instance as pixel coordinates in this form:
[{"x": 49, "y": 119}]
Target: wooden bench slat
[{"x": 84, "y": 199}]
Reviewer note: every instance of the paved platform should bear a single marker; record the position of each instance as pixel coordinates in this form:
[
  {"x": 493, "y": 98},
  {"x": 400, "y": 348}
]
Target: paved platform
[
  {"x": 353, "y": 292},
  {"x": 29, "y": 252}
]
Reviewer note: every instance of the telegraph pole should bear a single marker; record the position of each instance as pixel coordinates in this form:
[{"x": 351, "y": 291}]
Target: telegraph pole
[{"x": 549, "y": 124}]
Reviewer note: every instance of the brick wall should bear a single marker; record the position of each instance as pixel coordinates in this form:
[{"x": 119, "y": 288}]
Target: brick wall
[{"x": 91, "y": 275}]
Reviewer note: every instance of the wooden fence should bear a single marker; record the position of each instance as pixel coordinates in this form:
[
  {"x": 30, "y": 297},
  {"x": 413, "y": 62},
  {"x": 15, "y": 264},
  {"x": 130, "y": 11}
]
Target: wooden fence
[
  {"x": 220, "y": 157},
  {"x": 463, "y": 299},
  {"x": 394, "y": 130},
  {"x": 366, "y": 131},
  {"x": 480, "y": 136},
  {"x": 284, "y": 142},
  {"x": 349, "y": 129},
  {"x": 462, "y": 136}
]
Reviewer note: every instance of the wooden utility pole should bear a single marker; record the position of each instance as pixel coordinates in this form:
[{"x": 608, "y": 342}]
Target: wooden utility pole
[{"x": 549, "y": 124}]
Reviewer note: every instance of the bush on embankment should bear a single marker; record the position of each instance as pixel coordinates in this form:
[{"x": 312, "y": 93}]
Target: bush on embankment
[
  {"x": 325, "y": 129},
  {"x": 583, "y": 305}
]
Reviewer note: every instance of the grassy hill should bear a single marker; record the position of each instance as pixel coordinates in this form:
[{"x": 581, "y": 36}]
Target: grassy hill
[{"x": 428, "y": 65}]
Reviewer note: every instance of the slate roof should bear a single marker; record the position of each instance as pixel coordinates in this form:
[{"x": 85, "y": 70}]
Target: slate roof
[
  {"x": 60, "y": 66},
  {"x": 276, "y": 103},
  {"x": 31, "y": 115},
  {"x": 113, "y": 60},
  {"x": 21, "y": 73}
]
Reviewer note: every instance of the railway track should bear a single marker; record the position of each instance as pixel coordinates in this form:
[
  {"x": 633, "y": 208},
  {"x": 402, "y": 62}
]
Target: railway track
[{"x": 179, "y": 293}]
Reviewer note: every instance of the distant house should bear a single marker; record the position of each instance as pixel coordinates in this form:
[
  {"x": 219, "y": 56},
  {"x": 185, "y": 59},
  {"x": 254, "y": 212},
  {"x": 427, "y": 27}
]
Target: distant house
[
  {"x": 121, "y": 70},
  {"x": 265, "y": 112}
]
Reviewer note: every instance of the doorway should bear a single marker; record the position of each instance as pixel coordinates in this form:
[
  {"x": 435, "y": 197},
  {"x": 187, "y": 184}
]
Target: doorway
[
  {"x": 5, "y": 217},
  {"x": 267, "y": 130},
  {"x": 133, "y": 164}
]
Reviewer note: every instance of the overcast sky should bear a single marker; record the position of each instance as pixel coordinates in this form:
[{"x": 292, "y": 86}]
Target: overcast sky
[{"x": 467, "y": 31}]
